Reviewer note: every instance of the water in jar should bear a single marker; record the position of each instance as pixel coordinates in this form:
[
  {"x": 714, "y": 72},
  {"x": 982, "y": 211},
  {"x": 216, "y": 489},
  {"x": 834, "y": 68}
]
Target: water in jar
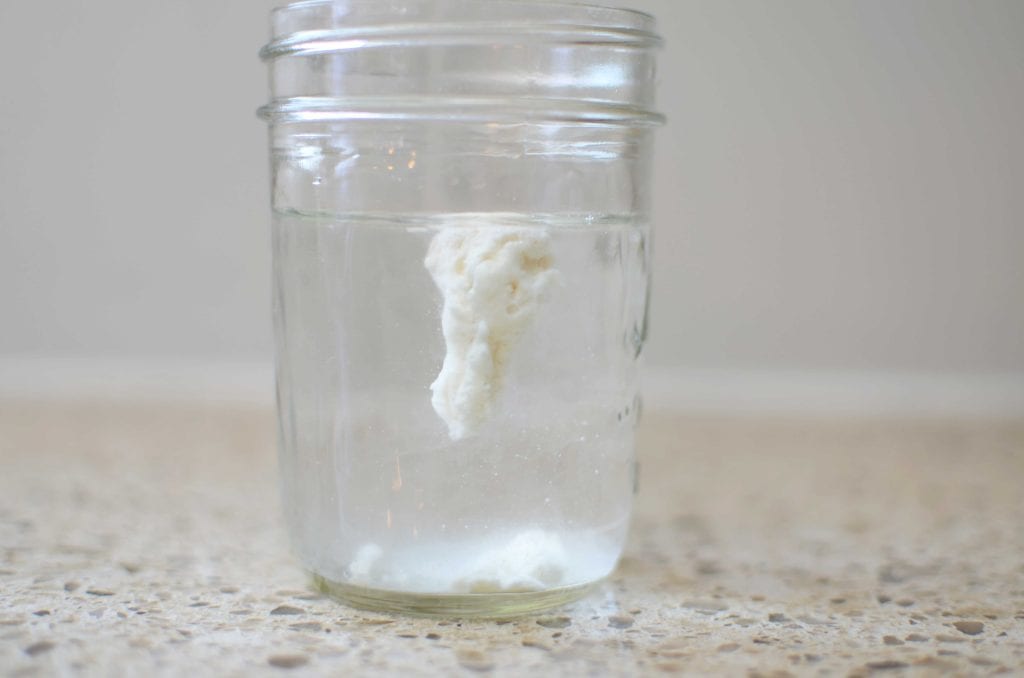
[{"x": 516, "y": 472}]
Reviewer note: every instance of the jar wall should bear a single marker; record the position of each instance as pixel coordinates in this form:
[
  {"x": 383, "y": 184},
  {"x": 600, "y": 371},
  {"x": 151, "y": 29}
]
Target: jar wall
[
  {"x": 460, "y": 295},
  {"x": 442, "y": 166}
]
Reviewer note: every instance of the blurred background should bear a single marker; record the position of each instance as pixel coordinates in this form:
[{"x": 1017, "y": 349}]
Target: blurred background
[{"x": 839, "y": 205}]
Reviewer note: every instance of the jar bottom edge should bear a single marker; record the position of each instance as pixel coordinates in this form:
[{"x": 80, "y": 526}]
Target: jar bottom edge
[{"x": 450, "y": 605}]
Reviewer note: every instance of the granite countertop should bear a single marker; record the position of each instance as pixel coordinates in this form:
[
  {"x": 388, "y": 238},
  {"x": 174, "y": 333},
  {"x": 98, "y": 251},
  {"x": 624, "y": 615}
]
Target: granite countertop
[{"x": 138, "y": 539}]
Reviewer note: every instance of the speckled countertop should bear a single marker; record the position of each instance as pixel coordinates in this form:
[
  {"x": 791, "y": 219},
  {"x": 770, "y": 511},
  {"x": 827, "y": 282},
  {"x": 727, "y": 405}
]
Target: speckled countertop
[{"x": 146, "y": 540}]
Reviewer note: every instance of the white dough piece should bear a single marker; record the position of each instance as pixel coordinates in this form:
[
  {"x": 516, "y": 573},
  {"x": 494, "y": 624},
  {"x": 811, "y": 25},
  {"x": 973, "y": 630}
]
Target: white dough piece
[{"x": 492, "y": 279}]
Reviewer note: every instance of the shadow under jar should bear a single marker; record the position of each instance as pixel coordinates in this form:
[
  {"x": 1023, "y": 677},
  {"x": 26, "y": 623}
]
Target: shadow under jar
[{"x": 461, "y": 256}]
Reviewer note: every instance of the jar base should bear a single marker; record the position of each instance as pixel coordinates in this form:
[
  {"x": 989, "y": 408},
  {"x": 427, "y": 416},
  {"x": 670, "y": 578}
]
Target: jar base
[{"x": 462, "y": 605}]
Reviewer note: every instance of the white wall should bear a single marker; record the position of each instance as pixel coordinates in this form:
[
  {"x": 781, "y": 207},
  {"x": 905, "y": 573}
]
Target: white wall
[{"x": 840, "y": 187}]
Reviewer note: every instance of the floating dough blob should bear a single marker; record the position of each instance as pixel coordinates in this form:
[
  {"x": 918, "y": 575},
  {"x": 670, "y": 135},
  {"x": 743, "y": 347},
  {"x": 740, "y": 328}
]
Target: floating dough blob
[{"x": 492, "y": 279}]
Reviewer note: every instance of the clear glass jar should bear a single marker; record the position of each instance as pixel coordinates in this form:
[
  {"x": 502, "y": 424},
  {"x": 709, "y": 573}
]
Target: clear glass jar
[{"x": 461, "y": 271}]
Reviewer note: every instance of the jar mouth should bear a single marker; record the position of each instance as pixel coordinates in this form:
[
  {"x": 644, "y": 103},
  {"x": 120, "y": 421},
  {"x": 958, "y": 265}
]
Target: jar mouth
[
  {"x": 311, "y": 27},
  {"x": 561, "y": 5},
  {"x": 572, "y": 11}
]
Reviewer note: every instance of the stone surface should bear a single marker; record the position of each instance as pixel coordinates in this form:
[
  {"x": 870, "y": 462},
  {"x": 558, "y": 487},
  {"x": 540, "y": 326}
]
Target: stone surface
[{"x": 137, "y": 540}]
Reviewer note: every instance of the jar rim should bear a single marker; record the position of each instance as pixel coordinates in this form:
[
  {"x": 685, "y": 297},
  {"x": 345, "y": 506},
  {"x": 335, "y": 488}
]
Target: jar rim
[
  {"x": 518, "y": 61},
  {"x": 310, "y": 27},
  {"x": 561, "y": 5}
]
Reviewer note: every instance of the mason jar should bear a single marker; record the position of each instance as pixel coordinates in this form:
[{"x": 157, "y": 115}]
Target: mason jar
[{"x": 461, "y": 262}]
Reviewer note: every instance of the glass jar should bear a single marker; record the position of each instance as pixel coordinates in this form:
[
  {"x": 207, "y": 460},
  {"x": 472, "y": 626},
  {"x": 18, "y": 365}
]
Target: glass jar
[{"x": 461, "y": 256}]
